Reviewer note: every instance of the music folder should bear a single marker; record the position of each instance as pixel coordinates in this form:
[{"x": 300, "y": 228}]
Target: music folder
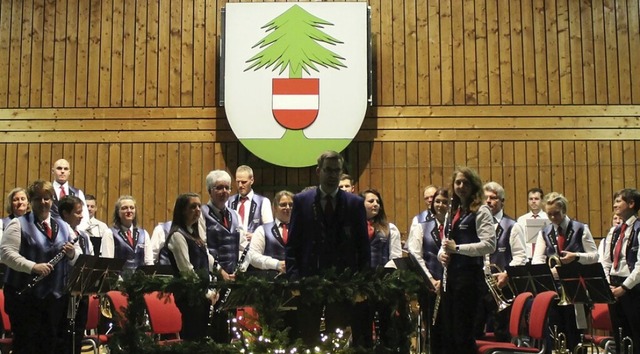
[
  {"x": 585, "y": 283},
  {"x": 533, "y": 226},
  {"x": 411, "y": 263},
  {"x": 534, "y": 278}
]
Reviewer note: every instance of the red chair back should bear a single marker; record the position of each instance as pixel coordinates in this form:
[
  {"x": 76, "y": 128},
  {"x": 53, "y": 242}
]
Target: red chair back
[
  {"x": 164, "y": 315},
  {"x": 119, "y": 304},
  {"x": 539, "y": 313},
  {"x": 601, "y": 317},
  {"x": 6, "y": 323},
  {"x": 517, "y": 310},
  {"x": 93, "y": 313}
]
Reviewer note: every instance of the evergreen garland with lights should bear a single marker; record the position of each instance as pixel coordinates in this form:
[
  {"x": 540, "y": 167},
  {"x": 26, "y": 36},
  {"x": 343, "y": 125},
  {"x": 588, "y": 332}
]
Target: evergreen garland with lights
[{"x": 267, "y": 296}]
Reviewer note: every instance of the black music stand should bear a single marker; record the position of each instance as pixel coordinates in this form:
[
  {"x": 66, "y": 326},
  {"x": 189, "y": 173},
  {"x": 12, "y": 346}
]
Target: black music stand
[
  {"x": 585, "y": 283},
  {"x": 534, "y": 278},
  {"x": 90, "y": 275}
]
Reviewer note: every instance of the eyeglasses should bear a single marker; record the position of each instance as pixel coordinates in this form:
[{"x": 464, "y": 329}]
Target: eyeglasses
[{"x": 284, "y": 205}]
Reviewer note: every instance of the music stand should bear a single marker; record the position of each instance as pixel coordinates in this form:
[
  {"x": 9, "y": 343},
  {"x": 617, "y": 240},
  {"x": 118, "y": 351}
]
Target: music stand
[
  {"x": 158, "y": 270},
  {"x": 585, "y": 283},
  {"x": 90, "y": 275},
  {"x": 534, "y": 278}
]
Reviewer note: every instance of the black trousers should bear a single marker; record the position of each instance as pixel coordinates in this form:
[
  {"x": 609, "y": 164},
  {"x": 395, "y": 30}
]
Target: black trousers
[
  {"x": 625, "y": 314},
  {"x": 195, "y": 318},
  {"x": 38, "y": 325},
  {"x": 433, "y": 331},
  {"x": 459, "y": 307},
  {"x": 337, "y": 315}
]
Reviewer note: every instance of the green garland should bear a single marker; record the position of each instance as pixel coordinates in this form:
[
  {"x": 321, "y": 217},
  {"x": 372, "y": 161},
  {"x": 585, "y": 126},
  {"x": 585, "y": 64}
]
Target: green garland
[{"x": 267, "y": 296}]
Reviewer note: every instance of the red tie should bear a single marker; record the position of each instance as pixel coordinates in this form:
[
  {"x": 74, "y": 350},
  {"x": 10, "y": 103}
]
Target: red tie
[
  {"x": 62, "y": 192},
  {"x": 328, "y": 207},
  {"x": 47, "y": 229},
  {"x": 285, "y": 233},
  {"x": 129, "y": 238},
  {"x": 370, "y": 229},
  {"x": 618, "y": 249},
  {"x": 241, "y": 209},
  {"x": 561, "y": 239},
  {"x": 456, "y": 218},
  {"x": 225, "y": 218},
  {"x": 441, "y": 231}
]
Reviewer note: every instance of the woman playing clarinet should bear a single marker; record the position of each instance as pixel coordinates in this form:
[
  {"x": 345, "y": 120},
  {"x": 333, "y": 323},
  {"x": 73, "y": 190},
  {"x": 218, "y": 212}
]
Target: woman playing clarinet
[{"x": 471, "y": 236}]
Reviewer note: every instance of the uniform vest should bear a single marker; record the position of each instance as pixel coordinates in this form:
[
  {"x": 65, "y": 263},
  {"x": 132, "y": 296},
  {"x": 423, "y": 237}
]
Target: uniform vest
[
  {"x": 198, "y": 256},
  {"x": 573, "y": 238},
  {"x": 255, "y": 210},
  {"x": 36, "y": 246},
  {"x": 223, "y": 244},
  {"x": 133, "y": 256},
  {"x": 54, "y": 205},
  {"x": 84, "y": 241},
  {"x": 502, "y": 256},
  {"x": 424, "y": 215},
  {"x": 464, "y": 232},
  {"x": 379, "y": 246},
  {"x": 163, "y": 254},
  {"x": 631, "y": 254},
  {"x": 273, "y": 243},
  {"x": 5, "y": 221},
  {"x": 430, "y": 246}
]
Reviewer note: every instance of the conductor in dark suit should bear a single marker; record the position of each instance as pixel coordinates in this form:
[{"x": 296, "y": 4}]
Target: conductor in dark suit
[{"x": 328, "y": 229}]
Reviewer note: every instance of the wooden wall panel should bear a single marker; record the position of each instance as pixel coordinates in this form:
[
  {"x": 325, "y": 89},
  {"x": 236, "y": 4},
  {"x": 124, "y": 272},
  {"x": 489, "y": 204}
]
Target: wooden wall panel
[{"x": 529, "y": 92}]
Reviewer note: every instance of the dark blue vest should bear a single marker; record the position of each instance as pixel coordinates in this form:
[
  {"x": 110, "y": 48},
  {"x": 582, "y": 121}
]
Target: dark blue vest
[
  {"x": 134, "y": 256},
  {"x": 54, "y": 205},
  {"x": 379, "y": 246},
  {"x": 223, "y": 244},
  {"x": 163, "y": 254},
  {"x": 502, "y": 256},
  {"x": 430, "y": 247},
  {"x": 84, "y": 241},
  {"x": 36, "y": 246},
  {"x": 631, "y": 254},
  {"x": 198, "y": 256},
  {"x": 573, "y": 238},
  {"x": 255, "y": 211},
  {"x": 273, "y": 244},
  {"x": 424, "y": 215},
  {"x": 465, "y": 232}
]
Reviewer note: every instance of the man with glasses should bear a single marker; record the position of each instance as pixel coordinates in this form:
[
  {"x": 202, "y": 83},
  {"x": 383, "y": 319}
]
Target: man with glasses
[{"x": 328, "y": 231}]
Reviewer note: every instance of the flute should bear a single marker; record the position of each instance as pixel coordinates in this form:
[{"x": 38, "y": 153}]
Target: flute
[
  {"x": 55, "y": 260},
  {"x": 443, "y": 283}
]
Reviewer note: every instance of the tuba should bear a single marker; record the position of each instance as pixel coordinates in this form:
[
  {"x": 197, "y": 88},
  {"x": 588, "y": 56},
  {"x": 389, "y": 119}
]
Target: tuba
[
  {"x": 553, "y": 262},
  {"x": 497, "y": 293}
]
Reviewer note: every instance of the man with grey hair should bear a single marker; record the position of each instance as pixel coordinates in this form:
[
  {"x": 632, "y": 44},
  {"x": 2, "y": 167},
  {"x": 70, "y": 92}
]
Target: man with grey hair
[
  {"x": 510, "y": 243},
  {"x": 225, "y": 239},
  {"x": 254, "y": 210}
]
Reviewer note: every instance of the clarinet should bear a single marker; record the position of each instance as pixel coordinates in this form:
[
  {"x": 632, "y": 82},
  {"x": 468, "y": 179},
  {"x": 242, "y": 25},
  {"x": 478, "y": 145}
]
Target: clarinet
[
  {"x": 55, "y": 260},
  {"x": 225, "y": 296},
  {"x": 443, "y": 282}
]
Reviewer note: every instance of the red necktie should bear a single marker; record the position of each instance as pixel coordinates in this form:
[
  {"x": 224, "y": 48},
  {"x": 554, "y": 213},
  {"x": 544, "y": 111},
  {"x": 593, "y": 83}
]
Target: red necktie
[
  {"x": 456, "y": 218},
  {"x": 441, "y": 231},
  {"x": 561, "y": 239},
  {"x": 47, "y": 229},
  {"x": 129, "y": 238},
  {"x": 62, "y": 192},
  {"x": 618, "y": 249},
  {"x": 225, "y": 218},
  {"x": 241, "y": 209},
  {"x": 328, "y": 207},
  {"x": 370, "y": 229},
  {"x": 285, "y": 233}
]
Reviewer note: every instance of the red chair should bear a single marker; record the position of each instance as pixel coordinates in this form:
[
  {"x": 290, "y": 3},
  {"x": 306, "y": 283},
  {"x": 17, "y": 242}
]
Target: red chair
[
  {"x": 515, "y": 319},
  {"x": 119, "y": 304},
  {"x": 601, "y": 321},
  {"x": 93, "y": 317},
  {"x": 537, "y": 325},
  {"x": 164, "y": 317},
  {"x": 6, "y": 342}
]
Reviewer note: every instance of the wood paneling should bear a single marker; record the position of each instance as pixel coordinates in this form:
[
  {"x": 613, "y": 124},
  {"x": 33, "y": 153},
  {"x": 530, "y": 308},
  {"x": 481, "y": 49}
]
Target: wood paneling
[{"x": 529, "y": 92}]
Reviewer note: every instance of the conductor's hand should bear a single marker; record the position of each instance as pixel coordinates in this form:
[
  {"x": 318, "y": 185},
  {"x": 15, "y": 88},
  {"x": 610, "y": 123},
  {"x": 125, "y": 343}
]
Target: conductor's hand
[
  {"x": 69, "y": 250},
  {"x": 42, "y": 269}
]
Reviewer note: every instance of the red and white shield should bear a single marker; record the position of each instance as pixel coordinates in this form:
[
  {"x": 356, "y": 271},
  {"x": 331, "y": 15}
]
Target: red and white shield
[{"x": 295, "y": 102}]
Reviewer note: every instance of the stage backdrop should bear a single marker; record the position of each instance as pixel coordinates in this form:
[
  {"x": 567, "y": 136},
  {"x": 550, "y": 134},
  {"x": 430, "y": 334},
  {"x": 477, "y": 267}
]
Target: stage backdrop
[{"x": 530, "y": 92}]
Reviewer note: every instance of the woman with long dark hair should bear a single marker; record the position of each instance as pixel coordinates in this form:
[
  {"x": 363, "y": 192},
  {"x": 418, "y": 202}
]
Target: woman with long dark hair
[
  {"x": 425, "y": 240},
  {"x": 471, "y": 236},
  {"x": 187, "y": 251}
]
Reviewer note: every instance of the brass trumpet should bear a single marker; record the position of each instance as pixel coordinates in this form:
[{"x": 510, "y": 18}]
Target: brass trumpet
[
  {"x": 497, "y": 293},
  {"x": 553, "y": 262}
]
